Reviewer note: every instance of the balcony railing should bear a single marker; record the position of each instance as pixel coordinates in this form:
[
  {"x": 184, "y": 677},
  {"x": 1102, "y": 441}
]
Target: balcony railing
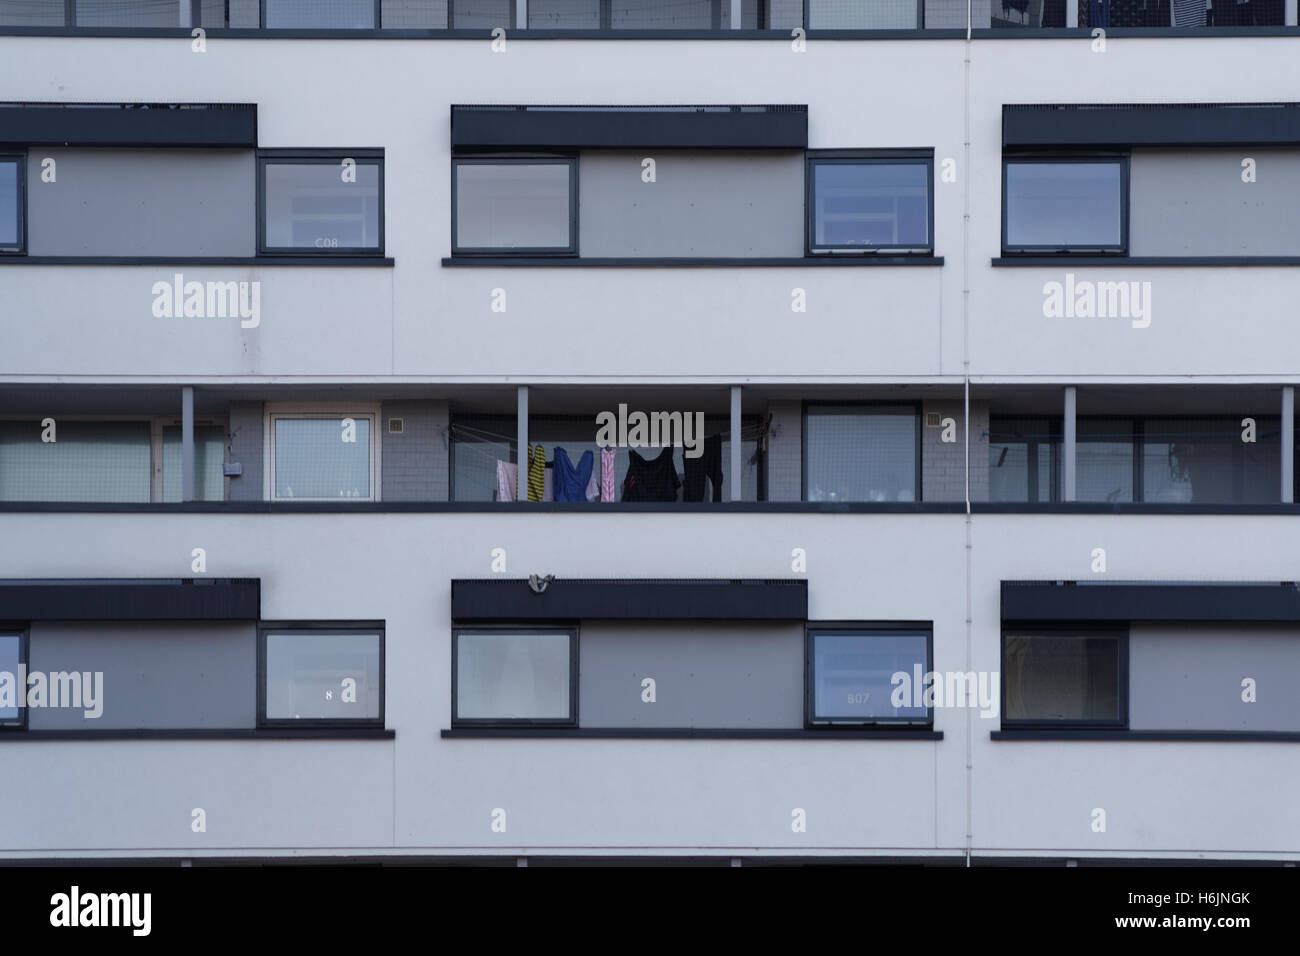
[{"x": 657, "y": 16}]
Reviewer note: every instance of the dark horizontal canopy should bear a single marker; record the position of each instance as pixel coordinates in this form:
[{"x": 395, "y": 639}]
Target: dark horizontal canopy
[
  {"x": 627, "y": 127},
  {"x": 1099, "y": 126},
  {"x": 130, "y": 599},
  {"x": 129, "y": 124},
  {"x": 1087, "y": 601},
  {"x": 514, "y": 600}
]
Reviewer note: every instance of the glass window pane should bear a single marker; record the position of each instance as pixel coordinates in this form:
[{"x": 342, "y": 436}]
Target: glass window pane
[
  {"x": 10, "y": 204},
  {"x": 313, "y": 676},
  {"x": 311, "y": 206},
  {"x": 661, "y": 14},
  {"x": 482, "y": 14},
  {"x": 320, "y": 14},
  {"x": 414, "y": 15},
  {"x": 512, "y": 676},
  {"x": 564, "y": 14},
  {"x": 31, "y": 13},
  {"x": 1020, "y": 460},
  {"x": 322, "y": 458},
  {"x": 10, "y": 654},
  {"x": 88, "y": 461},
  {"x": 871, "y": 204},
  {"x": 1206, "y": 461},
  {"x": 1064, "y": 205},
  {"x": 478, "y": 443},
  {"x": 862, "y": 14},
  {"x": 131, "y": 13},
  {"x": 512, "y": 206},
  {"x": 853, "y": 675},
  {"x": 859, "y": 454},
  {"x": 1104, "y": 460},
  {"x": 1066, "y": 678},
  {"x": 209, "y": 455}
]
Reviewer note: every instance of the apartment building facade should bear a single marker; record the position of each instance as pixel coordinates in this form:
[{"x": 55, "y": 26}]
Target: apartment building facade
[{"x": 923, "y": 374}]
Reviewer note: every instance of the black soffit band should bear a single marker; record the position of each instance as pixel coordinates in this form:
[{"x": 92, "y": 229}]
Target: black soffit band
[
  {"x": 1095, "y": 126},
  {"x": 629, "y": 127},
  {"x": 516, "y": 600},
  {"x": 131, "y": 599},
  {"x": 203, "y": 125},
  {"x": 1126, "y": 601}
]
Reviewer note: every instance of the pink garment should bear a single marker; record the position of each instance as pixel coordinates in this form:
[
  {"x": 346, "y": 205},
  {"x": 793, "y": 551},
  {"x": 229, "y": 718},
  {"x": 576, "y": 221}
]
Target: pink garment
[
  {"x": 607, "y": 474},
  {"x": 548, "y": 489},
  {"x": 507, "y": 481},
  {"x": 593, "y": 488}
]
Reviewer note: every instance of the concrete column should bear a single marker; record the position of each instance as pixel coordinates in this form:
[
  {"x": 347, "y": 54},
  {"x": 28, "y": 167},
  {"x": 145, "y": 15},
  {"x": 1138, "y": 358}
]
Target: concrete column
[
  {"x": 521, "y": 14},
  {"x": 521, "y": 442},
  {"x": 1289, "y": 17},
  {"x": 1067, "y": 466},
  {"x": 187, "y": 443},
  {"x": 736, "y": 452},
  {"x": 1288, "y": 441},
  {"x": 736, "y": 14},
  {"x": 1071, "y": 13}
]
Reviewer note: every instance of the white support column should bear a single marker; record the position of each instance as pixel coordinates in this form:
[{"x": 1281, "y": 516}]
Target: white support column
[
  {"x": 736, "y": 14},
  {"x": 1071, "y": 13},
  {"x": 521, "y": 426},
  {"x": 736, "y": 456},
  {"x": 521, "y": 14},
  {"x": 187, "y": 443},
  {"x": 1067, "y": 466},
  {"x": 1289, "y": 18},
  {"x": 186, "y": 15},
  {"x": 1288, "y": 442}
]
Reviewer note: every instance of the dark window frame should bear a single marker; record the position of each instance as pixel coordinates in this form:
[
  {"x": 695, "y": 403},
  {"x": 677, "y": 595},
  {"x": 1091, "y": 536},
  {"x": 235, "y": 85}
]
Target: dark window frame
[
  {"x": 1066, "y": 629},
  {"x": 1065, "y": 250},
  {"x": 572, "y": 629},
  {"x": 876, "y": 157},
  {"x": 813, "y": 628},
  {"x": 320, "y": 627},
  {"x": 514, "y": 159},
  {"x": 916, "y": 413},
  {"x": 316, "y": 157},
  {"x": 20, "y": 164},
  {"x": 24, "y": 635}
]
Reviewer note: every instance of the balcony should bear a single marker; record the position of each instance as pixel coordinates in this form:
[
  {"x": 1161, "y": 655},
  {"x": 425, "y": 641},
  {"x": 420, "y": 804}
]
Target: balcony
[{"x": 643, "y": 18}]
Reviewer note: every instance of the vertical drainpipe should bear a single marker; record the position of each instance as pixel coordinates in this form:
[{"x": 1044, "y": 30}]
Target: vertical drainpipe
[
  {"x": 187, "y": 443},
  {"x": 521, "y": 443},
  {"x": 965, "y": 361}
]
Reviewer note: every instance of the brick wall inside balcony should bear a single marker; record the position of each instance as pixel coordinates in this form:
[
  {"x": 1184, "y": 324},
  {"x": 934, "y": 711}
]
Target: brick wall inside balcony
[
  {"x": 414, "y": 462},
  {"x": 246, "y": 448},
  {"x": 785, "y": 452},
  {"x": 943, "y": 464}
]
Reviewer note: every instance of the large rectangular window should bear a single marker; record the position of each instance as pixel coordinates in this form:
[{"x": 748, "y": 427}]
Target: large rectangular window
[
  {"x": 1064, "y": 678},
  {"x": 209, "y": 455},
  {"x": 1065, "y": 205},
  {"x": 1023, "y": 457},
  {"x": 322, "y": 675},
  {"x": 83, "y": 461},
  {"x": 515, "y": 206},
  {"x": 318, "y": 14},
  {"x": 322, "y": 456},
  {"x": 1214, "y": 460},
  {"x": 852, "y": 676},
  {"x": 13, "y": 653},
  {"x": 869, "y": 204},
  {"x": 12, "y": 227},
  {"x": 321, "y": 204},
  {"x": 856, "y": 452},
  {"x": 857, "y": 15},
  {"x": 515, "y": 675}
]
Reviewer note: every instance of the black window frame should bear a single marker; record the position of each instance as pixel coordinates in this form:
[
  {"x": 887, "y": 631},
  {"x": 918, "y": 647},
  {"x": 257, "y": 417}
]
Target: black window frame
[
  {"x": 316, "y": 157},
  {"x": 860, "y": 157},
  {"x": 514, "y": 159},
  {"x": 572, "y": 629},
  {"x": 320, "y": 627},
  {"x": 884, "y": 628},
  {"x": 916, "y": 410},
  {"x": 1064, "y": 250},
  {"x": 23, "y": 632},
  {"x": 1066, "y": 629},
  {"x": 20, "y": 164}
]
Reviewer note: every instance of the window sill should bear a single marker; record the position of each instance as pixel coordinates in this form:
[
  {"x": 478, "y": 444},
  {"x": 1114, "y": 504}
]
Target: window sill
[
  {"x": 1143, "y": 262},
  {"x": 1184, "y": 736},
  {"x": 687, "y": 733},
  {"x": 247, "y": 261},
  {"x": 701, "y": 262},
  {"x": 203, "y": 733}
]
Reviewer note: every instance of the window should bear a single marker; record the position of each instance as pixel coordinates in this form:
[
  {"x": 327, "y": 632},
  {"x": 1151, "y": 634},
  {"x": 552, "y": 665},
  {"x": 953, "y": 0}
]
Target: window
[
  {"x": 315, "y": 15},
  {"x": 515, "y": 206},
  {"x": 321, "y": 675},
  {"x": 1023, "y": 459},
  {"x": 322, "y": 456},
  {"x": 12, "y": 226},
  {"x": 851, "y": 676},
  {"x": 1065, "y": 205},
  {"x": 515, "y": 675},
  {"x": 87, "y": 461},
  {"x": 870, "y": 204},
  {"x": 13, "y": 695},
  {"x": 851, "y": 15},
  {"x": 861, "y": 452},
  {"x": 209, "y": 455},
  {"x": 1064, "y": 678},
  {"x": 321, "y": 204}
]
